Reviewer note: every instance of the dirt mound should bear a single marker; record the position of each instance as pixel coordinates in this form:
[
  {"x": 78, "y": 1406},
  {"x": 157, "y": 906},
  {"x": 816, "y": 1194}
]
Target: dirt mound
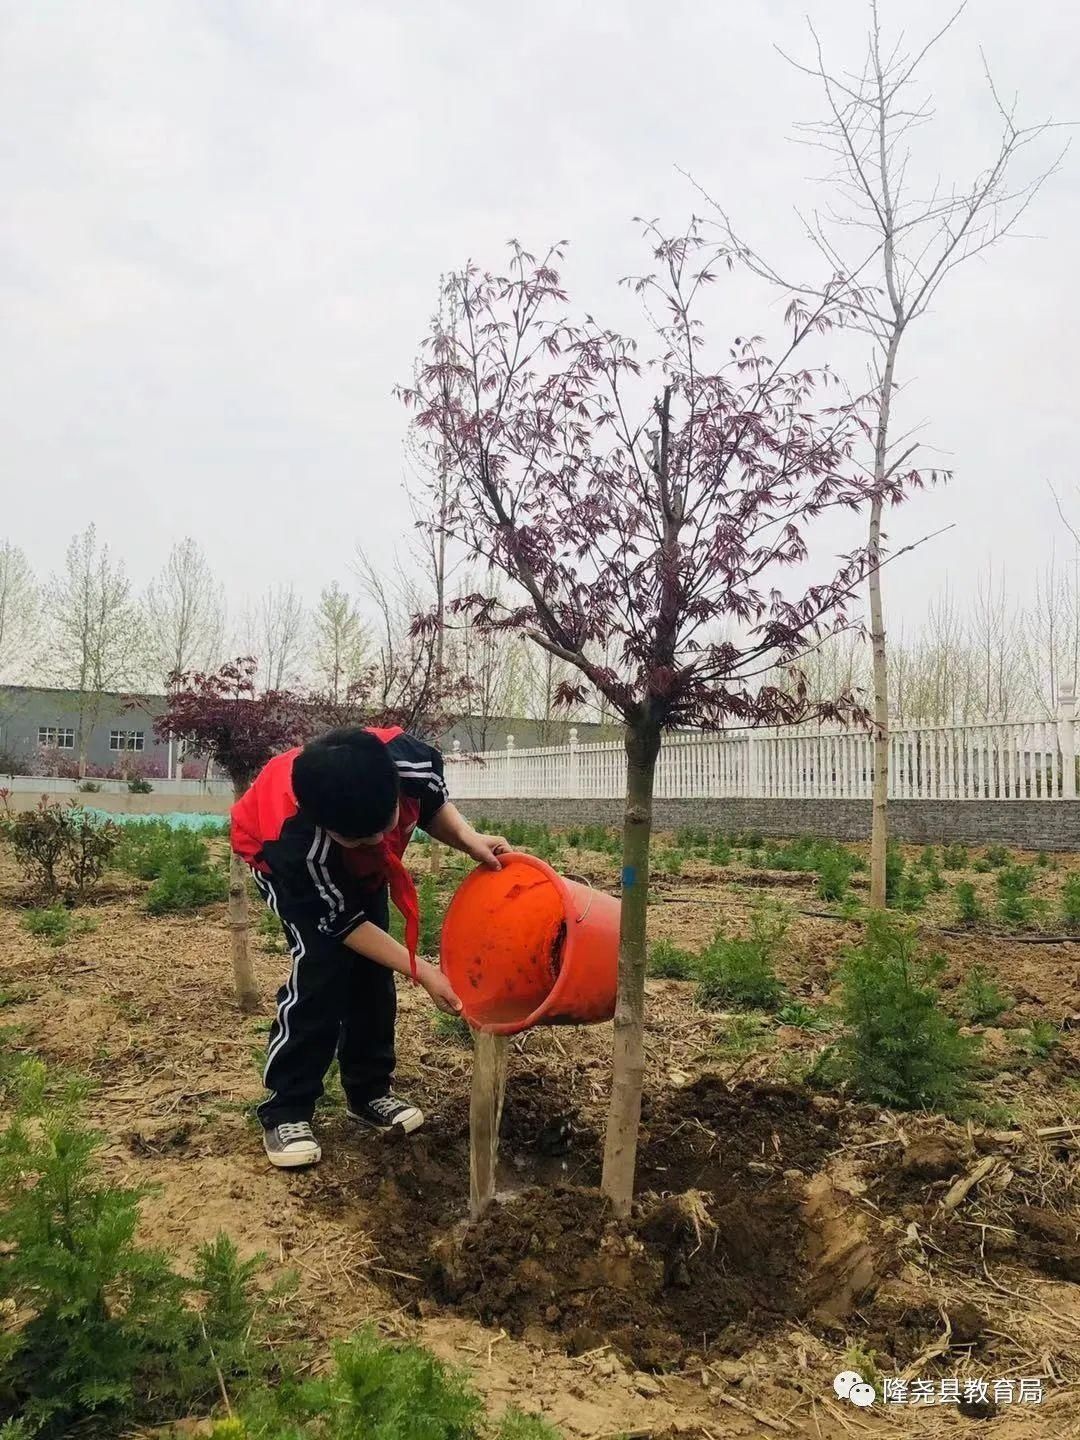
[
  {"x": 687, "y": 1273},
  {"x": 699, "y": 1137}
]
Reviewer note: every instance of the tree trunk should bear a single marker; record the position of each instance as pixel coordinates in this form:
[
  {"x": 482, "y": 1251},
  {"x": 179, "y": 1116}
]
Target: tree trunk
[
  {"x": 628, "y": 1067},
  {"x": 879, "y": 824},
  {"x": 247, "y": 992}
]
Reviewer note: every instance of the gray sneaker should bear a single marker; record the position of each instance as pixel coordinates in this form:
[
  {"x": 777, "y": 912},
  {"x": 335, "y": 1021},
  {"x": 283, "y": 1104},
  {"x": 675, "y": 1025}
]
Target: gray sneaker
[
  {"x": 291, "y": 1145},
  {"x": 388, "y": 1114}
]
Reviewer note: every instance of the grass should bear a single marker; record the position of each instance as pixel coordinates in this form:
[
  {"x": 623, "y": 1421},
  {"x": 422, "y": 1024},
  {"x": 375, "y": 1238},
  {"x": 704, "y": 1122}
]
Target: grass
[
  {"x": 454, "y": 1029},
  {"x": 806, "y": 1017},
  {"x": 742, "y": 1035},
  {"x": 670, "y": 962},
  {"x": 56, "y": 924}
]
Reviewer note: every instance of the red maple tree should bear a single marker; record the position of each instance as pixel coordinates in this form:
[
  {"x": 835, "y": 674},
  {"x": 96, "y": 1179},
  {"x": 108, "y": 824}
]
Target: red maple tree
[{"x": 646, "y": 510}]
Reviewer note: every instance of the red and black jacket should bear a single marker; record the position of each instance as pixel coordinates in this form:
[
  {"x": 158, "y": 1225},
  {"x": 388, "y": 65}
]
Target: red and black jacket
[{"x": 317, "y": 884}]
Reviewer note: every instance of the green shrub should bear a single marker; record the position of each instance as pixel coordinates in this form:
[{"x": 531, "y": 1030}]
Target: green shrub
[
  {"x": 62, "y": 849},
  {"x": 997, "y": 856},
  {"x": 901, "y": 1048},
  {"x": 894, "y": 873},
  {"x": 378, "y": 1391},
  {"x": 1070, "y": 901},
  {"x": 177, "y": 889},
  {"x": 928, "y": 859},
  {"x": 911, "y": 893},
  {"x": 139, "y": 785},
  {"x": 979, "y": 1000},
  {"x": 982, "y": 867},
  {"x": 969, "y": 909},
  {"x": 669, "y": 962},
  {"x": 56, "y": 924},
  {"x": 1040, "y": 1039},
  {"x": 741, "y": 971},
  {"x": 107, "y": 1335},
  {"x": 719, "y": 851},
  {"x": 954, "y": 857},
  {"x": 834, "y": 874},
  {"x": 671, "y": 862},
  {"x": 147, "y": 848},
  {"x": 89, "y": 787},
  {"x": 1015, "y": 905},
  {"x": 573, "y": 838},
  {"x": 1042, "y": 859},
  {"x": 748, "y": 840}
]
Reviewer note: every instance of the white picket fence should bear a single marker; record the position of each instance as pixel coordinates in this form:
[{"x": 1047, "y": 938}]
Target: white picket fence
[{"x": 1000, "y": 760}]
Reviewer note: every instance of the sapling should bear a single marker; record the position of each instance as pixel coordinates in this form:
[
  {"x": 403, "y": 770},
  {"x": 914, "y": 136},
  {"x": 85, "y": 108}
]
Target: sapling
[
  {"x": 979, "y": 999},
  {"x": 969, "y": 909},
  {"x": 901, "y": 1047},
  {"x": 1070, "y": 901},
  {"x": 740, "y": 971}
]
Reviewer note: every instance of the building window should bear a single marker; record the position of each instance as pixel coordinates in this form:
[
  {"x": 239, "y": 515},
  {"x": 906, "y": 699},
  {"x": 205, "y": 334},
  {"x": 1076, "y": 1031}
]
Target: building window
[
  {"x": 127, "y": 739},
  {"x": 56, "y": 737}
]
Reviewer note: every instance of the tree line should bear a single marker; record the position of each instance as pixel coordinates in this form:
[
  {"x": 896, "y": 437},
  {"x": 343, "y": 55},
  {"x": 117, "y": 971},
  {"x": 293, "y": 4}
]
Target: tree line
[{"x": 89, "y": 630}]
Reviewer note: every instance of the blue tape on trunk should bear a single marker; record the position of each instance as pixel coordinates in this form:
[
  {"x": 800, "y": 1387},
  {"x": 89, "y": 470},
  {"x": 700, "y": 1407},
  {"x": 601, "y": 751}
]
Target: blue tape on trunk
[{"x": 629, "y": 876}]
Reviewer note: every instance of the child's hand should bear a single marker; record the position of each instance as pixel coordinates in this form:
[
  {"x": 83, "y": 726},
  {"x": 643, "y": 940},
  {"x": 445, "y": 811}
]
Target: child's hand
[
  {"x": 487, "y": 849},
  {"x": 438, "y": 987}
]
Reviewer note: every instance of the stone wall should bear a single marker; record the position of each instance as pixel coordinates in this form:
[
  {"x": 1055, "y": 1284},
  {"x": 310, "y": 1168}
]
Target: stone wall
[{"x": 1031, "y": 824}]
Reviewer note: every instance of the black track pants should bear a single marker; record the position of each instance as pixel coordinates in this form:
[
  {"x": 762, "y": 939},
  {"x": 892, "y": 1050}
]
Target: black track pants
[{"x": 334, "y": 1002}]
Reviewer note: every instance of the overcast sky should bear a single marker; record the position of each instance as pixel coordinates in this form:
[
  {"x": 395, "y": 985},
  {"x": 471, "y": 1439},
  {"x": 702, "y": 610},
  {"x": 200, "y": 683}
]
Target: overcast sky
[{"x": 224, "y": 223}]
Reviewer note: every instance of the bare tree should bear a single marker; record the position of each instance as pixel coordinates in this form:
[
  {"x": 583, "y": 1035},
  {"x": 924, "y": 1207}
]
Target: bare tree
[
  {"x": 495, "y": 666},
  {"x": 404, "y": 680},
  {"x": 1050, "y": 631},
  {"x": 340, "y": 641},
  {"x": 185, "y": 609},
  {"x": 98, "y": 630},
  {"x": 280, "y": 635},
  {"x": 887, "y": 250},
  {"x": 18, "y": 612}
]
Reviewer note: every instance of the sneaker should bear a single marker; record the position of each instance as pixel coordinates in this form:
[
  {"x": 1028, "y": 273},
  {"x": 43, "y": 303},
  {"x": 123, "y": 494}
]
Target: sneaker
[
  {"x": 389, "y": 1114},
  {"x": 291, "y": 1145}
]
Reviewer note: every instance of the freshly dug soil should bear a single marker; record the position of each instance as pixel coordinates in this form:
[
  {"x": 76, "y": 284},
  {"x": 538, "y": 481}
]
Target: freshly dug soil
[
  {"x": 687, "y": 1273},
  {"x": 697, "y": 1269}
]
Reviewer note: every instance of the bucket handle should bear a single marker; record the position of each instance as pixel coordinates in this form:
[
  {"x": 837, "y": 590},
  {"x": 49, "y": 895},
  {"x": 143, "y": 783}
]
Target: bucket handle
[{"x": 583, "y": 880}]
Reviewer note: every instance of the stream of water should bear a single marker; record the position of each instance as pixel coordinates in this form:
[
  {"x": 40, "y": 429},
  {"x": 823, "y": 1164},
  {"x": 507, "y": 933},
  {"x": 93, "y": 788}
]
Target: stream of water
[{"x": 485, "y": 1115}]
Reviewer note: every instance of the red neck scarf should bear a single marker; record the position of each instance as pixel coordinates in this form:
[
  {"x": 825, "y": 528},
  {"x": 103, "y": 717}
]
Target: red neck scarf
[{"x": 403, "y": 894}]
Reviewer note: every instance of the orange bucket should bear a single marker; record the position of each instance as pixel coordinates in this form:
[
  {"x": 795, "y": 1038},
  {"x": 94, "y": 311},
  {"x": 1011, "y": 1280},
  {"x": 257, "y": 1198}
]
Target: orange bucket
[{"x": 522, "y": 946}]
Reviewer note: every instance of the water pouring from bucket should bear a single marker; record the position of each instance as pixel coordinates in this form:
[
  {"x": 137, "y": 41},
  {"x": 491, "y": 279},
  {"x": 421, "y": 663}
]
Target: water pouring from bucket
[{"x": 523, "y": 946}]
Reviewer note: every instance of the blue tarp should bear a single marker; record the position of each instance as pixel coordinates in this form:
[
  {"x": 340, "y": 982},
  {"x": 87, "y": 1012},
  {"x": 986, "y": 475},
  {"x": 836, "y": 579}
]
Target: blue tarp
[{"x": 175, "y": 819}]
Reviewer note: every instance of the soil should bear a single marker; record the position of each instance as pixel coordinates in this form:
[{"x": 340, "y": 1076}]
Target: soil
[{"x": 775, "y": 1228}]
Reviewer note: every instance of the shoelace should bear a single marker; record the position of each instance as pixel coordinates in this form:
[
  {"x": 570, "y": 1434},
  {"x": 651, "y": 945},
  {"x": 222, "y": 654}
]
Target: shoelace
[
  {"x": 385, "y": 1106},
  {"x": 297, "y": 1130}
]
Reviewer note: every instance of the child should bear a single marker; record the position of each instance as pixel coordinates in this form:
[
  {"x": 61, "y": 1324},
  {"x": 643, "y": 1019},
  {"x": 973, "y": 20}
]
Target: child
[{"x": 323, "y": 829}]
